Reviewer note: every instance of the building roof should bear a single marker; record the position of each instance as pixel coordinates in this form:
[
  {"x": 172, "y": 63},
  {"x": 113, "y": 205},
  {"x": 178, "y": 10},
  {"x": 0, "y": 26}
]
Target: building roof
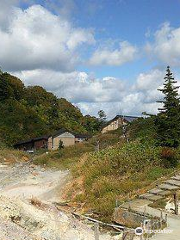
[
  {"x": 125, "y": 117},
  {"x": 57, "y": 133},
  {"x": 32, "y": 140},
  {"x": 61, "y": 131},
  {"x": 82, "y": 136}
]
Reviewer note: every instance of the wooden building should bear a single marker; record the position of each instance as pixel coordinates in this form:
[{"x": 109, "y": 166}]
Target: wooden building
[
  {"x": 51, "y": 142},
  {"x": 117, "y": 122},
  {"x": 63, "y": 135},
  {"x": 81, "y": 138},
  {"x": 33, "y": 144}
]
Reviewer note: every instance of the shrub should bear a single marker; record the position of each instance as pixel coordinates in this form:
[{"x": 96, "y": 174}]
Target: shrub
[
  {"x": 61, "y": 145},
  {"x": 117, "y": 174},
  {"x": 169, "y": 157}
]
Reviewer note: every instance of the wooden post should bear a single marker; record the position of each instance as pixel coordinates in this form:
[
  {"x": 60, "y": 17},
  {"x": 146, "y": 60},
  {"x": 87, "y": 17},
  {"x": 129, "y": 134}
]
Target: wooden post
[
  {"x": 161, "y": 220},
  {"x": 176, "y": 203},
  {"x": 125, "y": 234},
  {"x": 161, "y": 215},
  {"x": 97, "y": 147},
  {"x": 96, "y": 231},
  {"x": 166, "y": 218}
]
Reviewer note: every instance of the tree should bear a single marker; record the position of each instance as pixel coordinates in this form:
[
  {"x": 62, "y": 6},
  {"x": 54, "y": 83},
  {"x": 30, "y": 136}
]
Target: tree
[
  {"x": 61, "y": 145},
  {"x": 6, "y": 91},
  {"x": 102, "y": 115},
  {"x": 168, "y": 119}
]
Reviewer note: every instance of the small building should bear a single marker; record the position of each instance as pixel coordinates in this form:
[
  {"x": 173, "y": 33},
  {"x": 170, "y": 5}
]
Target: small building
[
  {"x": 117, "y": 122},
  {"x": 33, "y": 144},
  {"x": 63, "y": 135},
  {"x": 81, "y": 137},
  {"x": 51, "y": 142}
]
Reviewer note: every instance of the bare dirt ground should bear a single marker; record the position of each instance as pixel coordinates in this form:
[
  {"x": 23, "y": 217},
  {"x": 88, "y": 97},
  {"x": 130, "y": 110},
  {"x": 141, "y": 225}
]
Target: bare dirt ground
[{"x": 27, "y": 210}]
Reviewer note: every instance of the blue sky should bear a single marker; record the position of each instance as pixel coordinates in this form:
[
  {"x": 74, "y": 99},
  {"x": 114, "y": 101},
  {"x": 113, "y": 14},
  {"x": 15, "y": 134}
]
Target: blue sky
[
  {"x": 122, "y": 20},
  {"x": 99, "y": 54}
]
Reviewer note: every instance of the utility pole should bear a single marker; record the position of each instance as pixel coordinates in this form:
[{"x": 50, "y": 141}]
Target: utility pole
[
  {"x": 97, "y": 146},
  {"x": 124, "y": 129}
]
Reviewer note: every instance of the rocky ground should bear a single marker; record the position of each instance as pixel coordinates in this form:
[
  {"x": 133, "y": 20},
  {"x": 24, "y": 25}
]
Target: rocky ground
[{"x": 27, "y": 209}]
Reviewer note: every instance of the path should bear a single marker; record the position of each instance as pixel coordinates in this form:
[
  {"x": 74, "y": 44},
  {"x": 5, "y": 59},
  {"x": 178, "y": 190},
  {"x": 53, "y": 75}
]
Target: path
[
  {"x": 160, "y": 192},
  {"x": 22, "y": 220}
]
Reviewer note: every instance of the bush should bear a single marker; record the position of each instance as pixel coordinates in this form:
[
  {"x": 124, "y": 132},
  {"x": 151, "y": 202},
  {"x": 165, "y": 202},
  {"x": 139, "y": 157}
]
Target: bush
[
  {"x": 169, "y": 157},
  {"x": 116, "y": 173}
]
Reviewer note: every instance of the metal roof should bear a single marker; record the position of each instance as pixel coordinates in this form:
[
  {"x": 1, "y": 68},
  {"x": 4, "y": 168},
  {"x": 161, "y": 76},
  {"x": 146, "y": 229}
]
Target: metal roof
[
  {"x": 32, "y": 140},
  {"x": 125, "y": 117}
]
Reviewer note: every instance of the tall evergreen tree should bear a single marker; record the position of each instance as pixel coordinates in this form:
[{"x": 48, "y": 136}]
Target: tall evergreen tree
[{"x": 168, "y": 119}]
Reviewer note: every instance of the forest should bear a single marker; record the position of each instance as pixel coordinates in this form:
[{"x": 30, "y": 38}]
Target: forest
[{"x": 31, "y": 111}]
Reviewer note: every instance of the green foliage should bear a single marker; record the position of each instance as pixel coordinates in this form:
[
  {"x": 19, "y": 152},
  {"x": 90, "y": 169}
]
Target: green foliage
[
  {"x": 27, "y": 112},
  {"x": 168, "y": 120},
  {"x": 169, "y": 156},
  {"x": 61, "y": 146},
  {"x": 91, "y": 124},
  {"x": 10, "y": 87},
  {"x": 65, "y": 158},
  {"x": 143, "y": 129},
  {"x": 112, "y": 173},
  {"x": 159, "y": 204}
]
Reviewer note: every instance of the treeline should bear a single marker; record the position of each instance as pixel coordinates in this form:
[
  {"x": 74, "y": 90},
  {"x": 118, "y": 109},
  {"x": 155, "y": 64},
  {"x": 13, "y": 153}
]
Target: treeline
[{"x": 27, "y": 112}]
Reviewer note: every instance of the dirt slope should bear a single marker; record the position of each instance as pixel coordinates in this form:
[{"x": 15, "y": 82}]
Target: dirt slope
[{"x": 20, "y": 219}]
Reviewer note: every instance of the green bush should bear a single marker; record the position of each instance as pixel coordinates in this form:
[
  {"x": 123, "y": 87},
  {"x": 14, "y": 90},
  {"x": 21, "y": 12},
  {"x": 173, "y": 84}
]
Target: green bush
[
  {"x": 169, "y": 157},
  {"x": 116, "y": 173}
]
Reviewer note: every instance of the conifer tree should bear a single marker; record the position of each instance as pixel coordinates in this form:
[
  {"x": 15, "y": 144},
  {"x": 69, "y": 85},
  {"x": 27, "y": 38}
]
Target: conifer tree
[{"x": 168, "y": 119}]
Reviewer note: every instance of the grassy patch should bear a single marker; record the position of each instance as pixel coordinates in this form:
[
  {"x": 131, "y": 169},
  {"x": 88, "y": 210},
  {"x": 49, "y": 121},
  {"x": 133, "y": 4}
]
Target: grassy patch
[
  {"x": 117, "y": 174},
  {"x": 67, "y": 157},
  {"x": 12, "y": 156},
  {"x": 63, "y": 158},
  {"x": 160, "y": 204}
]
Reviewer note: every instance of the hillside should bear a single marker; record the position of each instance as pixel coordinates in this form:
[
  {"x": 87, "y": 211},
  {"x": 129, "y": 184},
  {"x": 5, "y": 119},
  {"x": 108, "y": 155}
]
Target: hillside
[
  {"x": 120, "y": 171},
  {"x": 27, "y": 112}
]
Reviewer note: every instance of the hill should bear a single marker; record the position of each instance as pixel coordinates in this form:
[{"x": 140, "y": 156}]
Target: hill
[
  {"x": 120, "y": 171},
  {"x": 27, "y": 112}
]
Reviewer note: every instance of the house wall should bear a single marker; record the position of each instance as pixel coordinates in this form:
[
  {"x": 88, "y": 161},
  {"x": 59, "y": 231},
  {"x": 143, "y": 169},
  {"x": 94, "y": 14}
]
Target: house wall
[
  {"x": 25, "y": 146},
  {"x": 78, "y": 140},
  {"x": 67, "y": 138},
  {"x": 40, "y": 144},
  {"x": 50, "y": 143},
  {"x": 113, "y": 125}
]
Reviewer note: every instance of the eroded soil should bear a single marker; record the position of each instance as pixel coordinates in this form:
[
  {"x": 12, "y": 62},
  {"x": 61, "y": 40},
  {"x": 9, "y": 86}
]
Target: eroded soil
[{"x": 28, "y": 194}]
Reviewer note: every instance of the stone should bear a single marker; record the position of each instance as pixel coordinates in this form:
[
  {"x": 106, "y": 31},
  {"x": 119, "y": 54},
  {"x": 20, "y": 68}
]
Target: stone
[
  {"x": 150, "y": 197},
  {"x": 177, "y": 177},
  {"x": 165, "y": 193},
  {"x": 173, "y": 182},
  {"x": 155, "y": 191},
  {"x": 168, "y": 187}
]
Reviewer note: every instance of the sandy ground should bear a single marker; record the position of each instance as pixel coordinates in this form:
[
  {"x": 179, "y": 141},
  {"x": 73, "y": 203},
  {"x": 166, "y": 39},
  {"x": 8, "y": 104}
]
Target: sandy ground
[{"x": 19, "y": 219}]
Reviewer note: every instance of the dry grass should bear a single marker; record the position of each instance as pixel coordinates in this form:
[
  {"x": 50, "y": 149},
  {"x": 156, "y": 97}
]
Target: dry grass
[
  {"x": 67, "y": 157},
  {"x": 13, "y": 156},
  {"x": 115, "y": 174},
  {"x": 37, "y": 203}
]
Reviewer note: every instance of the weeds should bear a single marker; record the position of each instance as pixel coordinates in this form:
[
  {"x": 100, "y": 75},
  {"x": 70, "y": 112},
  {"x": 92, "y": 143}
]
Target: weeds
[{"x": 118, "y": 174}]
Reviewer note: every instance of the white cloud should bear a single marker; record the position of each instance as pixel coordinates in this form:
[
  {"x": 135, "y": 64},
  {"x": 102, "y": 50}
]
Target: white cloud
[
  {"x": 75, "y": 86},
  {"x": 36, "y": 38},
  {"x": 109, "y": 93},
  {"x": 125, "y": 53},
  {"x": 166, "y": 45},
  {"x": 151, "y": 80},
  {"x": 43, "y": 49}
]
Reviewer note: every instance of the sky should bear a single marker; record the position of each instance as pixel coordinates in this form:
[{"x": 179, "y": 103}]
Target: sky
[{"x": 98, "y": 54}]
